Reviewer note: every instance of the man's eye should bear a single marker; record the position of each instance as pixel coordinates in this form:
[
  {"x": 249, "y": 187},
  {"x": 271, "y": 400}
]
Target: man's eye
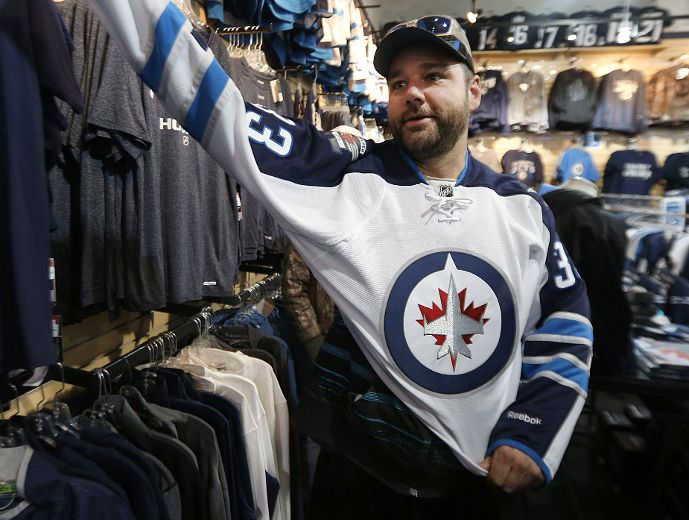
[
  {"x": 397, "y": 85},
  {"x": 434, "y": 76}
]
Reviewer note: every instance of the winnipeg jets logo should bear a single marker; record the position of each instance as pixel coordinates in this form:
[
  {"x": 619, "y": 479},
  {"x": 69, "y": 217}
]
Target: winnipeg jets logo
[
  {"x": 577, "y": 170},
  {"x": 449, "y": 321},
  {"x": 454, "y": 324}
]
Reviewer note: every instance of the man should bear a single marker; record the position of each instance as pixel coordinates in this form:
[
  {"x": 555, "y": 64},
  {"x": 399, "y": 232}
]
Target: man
[{"x": 450, "y": 277}]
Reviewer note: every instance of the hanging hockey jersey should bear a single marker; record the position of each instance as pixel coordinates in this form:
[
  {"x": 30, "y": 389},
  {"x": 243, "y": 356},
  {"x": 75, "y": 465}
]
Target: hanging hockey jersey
[
  {"x": 576, "y": 162},
  {"x": 668, "y": 95},
  {"x": 528, "y": 108},
  {"x": 572, "y": 102},
  {"x": 622, "y": 103},
  {"x": 525, "y": 166},
  {"x": 633, "y": 172},
  {"x": 455, "y": 299},
  {"x": 491, "y": 115},
  {"x": 676, "y": 171}
]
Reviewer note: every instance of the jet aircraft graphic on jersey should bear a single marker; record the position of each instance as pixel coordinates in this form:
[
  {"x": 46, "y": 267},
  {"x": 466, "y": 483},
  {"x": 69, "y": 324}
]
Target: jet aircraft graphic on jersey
[{"x": 454, "y": 324}]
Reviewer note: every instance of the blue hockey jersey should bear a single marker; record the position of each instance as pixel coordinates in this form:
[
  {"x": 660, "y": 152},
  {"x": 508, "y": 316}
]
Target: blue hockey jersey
[{"x": 466, "y": 304}]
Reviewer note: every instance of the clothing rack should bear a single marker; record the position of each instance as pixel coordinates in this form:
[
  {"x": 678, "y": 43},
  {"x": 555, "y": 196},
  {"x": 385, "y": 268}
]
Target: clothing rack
[
  {"x": 154, "y": 350},
  {"x": 246, "y": 29},
  {"x": 255, "y": 292}
]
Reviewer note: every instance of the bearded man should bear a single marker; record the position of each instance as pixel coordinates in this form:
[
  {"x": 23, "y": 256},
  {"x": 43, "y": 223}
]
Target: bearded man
[{"x": 451, "y": 278}]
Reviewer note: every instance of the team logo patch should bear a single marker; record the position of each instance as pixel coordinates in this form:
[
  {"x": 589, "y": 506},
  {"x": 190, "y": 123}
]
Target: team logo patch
[
  {"x": 450, "y": 322},
  {"x": 342, "y": 141}
]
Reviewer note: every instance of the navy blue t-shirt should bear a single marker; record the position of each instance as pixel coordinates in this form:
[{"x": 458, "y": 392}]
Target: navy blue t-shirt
[
  {"x": 676, "y": 171},
  {"x": 525, "y": 166},
  {"x": 631, "y": 172},
  {"x": 36, "y": 65}
]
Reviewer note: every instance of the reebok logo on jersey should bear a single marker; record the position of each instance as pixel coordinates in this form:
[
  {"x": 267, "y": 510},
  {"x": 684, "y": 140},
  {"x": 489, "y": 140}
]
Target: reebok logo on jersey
[
  {"x": 351, "y": 143},
  {"x": 524, "y": 418}
]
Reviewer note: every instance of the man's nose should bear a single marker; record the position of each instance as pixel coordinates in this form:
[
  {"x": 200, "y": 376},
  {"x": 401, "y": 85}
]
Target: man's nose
[{"x": 415, "y": 95}]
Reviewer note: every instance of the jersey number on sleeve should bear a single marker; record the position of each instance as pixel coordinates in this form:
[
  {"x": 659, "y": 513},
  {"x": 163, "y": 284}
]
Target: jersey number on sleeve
[
  {"x": 566, "y": 277},
  {"x": 280, "y": 144}
]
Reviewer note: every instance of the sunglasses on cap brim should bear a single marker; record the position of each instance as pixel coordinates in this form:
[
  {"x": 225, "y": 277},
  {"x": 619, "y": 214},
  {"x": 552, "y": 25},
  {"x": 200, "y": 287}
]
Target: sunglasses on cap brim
[{"x": 443, "y": 27}]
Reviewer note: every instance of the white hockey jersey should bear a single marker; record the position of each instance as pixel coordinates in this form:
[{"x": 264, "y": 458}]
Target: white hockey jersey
[{"x": 466, "y": 305}]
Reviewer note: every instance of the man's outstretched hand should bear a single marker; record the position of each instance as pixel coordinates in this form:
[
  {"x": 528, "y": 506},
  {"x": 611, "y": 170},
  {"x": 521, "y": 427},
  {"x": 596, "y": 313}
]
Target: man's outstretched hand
[{"x": 511, "y": 470}]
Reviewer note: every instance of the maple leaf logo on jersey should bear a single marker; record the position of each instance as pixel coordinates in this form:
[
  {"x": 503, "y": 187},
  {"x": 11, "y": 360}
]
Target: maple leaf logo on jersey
[{"x": 453, "y": 323}]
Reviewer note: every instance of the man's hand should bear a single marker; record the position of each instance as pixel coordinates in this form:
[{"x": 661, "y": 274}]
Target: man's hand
[{"x": 512, "y": 470}]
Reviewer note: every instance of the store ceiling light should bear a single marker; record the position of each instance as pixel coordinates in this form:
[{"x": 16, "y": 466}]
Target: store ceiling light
[
  {"x": 572, "y": 33},
  {"x": 624, "y": 33},
  {"x": 473, "y": 14}
]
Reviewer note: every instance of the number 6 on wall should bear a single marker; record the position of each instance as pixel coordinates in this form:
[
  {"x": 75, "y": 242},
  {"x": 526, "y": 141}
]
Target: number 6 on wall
[{"x": 566, "y": 279}]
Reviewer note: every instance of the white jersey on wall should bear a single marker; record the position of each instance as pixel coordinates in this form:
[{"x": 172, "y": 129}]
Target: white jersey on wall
[{"x": 463, "y": 300}]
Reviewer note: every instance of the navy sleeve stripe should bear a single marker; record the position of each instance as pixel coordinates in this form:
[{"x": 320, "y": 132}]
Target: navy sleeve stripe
[
  {"x": 559, "y": 339},
  {"x": 542, "y": 360},
  {"x": 212, "y": 86},
  {"x": 168, "y": 27},
  {"x": 548, "y": 349},
  {"x": 565, "y": 327}
]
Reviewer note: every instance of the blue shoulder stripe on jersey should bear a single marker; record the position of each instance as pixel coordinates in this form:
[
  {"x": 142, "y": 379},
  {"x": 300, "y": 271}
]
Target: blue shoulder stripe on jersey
[
  {"x": 528, "y": 451},
  {"x": 548, "y": 348},
  {"x": 561, "y": 367},
  {"x": 200, "y": 111},
  {"x": 565, "y": 327},
  {"x": 168, "y": 27},
  {"x": 422, "y": 177}
]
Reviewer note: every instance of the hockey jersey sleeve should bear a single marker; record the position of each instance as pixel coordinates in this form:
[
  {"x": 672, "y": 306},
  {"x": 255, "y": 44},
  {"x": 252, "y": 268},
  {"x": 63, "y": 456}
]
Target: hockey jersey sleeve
[
  {"x": 557, "y": 353},
  {"x": 287, "y": 164}
]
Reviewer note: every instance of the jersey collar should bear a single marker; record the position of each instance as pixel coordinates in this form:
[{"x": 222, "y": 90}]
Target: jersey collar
[{"x": 422, "y": 177}]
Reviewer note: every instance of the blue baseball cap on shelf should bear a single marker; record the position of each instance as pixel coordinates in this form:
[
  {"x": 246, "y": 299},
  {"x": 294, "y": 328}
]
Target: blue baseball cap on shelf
[
  {"x": 283, "y": 14},
  {"x": 294, "y": 6},
  {"x": 305, "y": 39},
  {"x": 322, "y": 54}
]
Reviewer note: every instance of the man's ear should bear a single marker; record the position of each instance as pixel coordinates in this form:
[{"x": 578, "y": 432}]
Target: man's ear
[{"x": 474, "y": 92}]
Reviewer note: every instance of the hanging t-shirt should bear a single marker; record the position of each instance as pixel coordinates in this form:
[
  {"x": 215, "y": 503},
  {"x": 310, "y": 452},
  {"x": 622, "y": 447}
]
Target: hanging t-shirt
[
  {"x": 527, "y": 106},
  {"x": 676, "y": 171},
  {"x": 622, "y": 102},
  {"x": 525, "y": 166},
  {"x": 491, "y": 115},
  {"x": 668, "y": 95},
  {"x": 576, "y": 162},
  {"x": 630, "y": 171},
  {"x": 36, "y": 65},
  {"x": 572, "y": 102}
]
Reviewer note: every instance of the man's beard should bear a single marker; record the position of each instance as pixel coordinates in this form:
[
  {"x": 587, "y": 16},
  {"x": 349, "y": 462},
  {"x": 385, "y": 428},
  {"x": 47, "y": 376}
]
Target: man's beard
[{"x": 430, "y": 142}]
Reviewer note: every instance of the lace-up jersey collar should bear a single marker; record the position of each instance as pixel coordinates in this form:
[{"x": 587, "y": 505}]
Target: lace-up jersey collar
[{"x": 446, "y": 202}]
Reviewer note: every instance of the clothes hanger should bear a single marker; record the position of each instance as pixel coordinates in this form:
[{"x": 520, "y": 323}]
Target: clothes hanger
[
  {"x": 59, "y": 410},
  {"x": 11, "y": 436}
]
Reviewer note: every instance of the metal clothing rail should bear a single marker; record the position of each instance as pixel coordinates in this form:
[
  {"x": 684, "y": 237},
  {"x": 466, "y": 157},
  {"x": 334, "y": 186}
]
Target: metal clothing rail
[
  {"x": 162, "y": 346},
  {"x": 152, "y": 351},
  {"x": 246, "y": 29},
  {"x": 255, "y": 292}
]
